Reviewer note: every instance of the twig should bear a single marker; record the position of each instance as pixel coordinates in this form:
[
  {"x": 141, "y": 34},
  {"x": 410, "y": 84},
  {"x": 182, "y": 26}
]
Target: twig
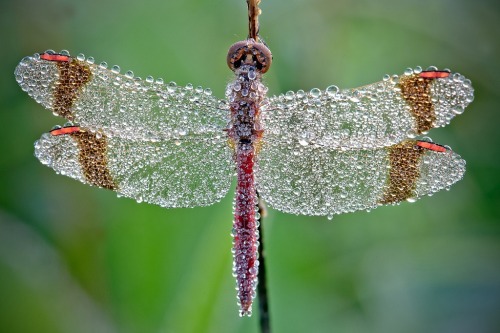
[
  {"x": 262, "y": 285},
  {"x": 253, "y": 19}
]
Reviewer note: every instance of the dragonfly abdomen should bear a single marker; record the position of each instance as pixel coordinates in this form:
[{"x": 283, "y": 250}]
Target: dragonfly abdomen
[{"x": 245, "y": 232}]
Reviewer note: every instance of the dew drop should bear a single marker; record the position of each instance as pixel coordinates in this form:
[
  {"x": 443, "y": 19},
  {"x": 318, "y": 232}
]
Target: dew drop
[
  {"x": 457, "y": 109},
  {"x": 457, "y": 77},
  {"x": 411, "y": 134},
  {"x": 171, "y": 86},
  {"x": 354, "y": 98},
  {"x": 303, "y": 142},
  {"x": 332, "y": 90},
  {"x": 252, "y": 75},
  {"x": 315, "y": 93},
  {"x": 80, "y": 57},
  {"x": 115, "y": 69},
  {"x": 103, "y": 65},
  {"x": 27, "y": 60}
]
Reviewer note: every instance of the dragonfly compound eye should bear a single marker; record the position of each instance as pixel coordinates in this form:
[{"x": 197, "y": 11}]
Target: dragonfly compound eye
[{"x": 249, "y": 52}]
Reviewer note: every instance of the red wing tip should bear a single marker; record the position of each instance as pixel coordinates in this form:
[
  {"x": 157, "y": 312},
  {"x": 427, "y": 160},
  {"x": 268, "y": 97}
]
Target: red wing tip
[
  {"x": 431, "y": 146},
  {"x": 434, "y": 74},
  {"x": 54, "y": 57},
  {"x": 65, "y": 130}
]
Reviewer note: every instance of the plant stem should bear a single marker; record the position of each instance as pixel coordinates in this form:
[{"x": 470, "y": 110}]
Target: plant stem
[{"x": 262, "y": 284}]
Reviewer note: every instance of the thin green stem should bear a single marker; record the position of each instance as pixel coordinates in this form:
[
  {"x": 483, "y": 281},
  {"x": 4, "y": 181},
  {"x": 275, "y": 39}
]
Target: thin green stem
[{"x": 262, "y": 284}]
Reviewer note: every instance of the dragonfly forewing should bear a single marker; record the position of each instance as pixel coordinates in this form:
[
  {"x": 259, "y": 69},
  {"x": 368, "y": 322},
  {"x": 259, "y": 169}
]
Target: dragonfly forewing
[
  {"x": 104, "y": 100},
  {"x": 376, "y": 115},
  {"x": 169, "y": 173}
]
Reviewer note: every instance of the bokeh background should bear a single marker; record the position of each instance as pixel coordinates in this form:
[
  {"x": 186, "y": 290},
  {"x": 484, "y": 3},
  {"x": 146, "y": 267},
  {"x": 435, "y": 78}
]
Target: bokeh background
[{"x": 78, "y": 259}]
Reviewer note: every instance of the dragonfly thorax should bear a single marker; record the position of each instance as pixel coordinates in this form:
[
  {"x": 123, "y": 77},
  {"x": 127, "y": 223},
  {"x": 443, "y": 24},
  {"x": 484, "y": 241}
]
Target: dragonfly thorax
[{"x": 246, "y": 95}]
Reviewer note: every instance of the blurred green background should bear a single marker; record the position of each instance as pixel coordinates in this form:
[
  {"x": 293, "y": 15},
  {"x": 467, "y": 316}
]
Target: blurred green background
[{"x": 77, "y": 259}]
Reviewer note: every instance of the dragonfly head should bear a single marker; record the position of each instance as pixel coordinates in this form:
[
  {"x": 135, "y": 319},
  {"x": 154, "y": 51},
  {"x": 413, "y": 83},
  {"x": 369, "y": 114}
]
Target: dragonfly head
[{"x": 249, "y": 52}]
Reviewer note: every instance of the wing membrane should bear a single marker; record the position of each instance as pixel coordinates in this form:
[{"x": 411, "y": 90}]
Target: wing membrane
[
  {"x": 319, "y": 181},
  {"x": 377, "y": 115},
  {"x": 120, "y": 105},
  {"x": 165, "y": 173}
]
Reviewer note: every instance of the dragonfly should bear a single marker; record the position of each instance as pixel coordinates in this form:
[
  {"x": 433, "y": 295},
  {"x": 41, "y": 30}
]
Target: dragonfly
[{"x": 321, "y": 152}]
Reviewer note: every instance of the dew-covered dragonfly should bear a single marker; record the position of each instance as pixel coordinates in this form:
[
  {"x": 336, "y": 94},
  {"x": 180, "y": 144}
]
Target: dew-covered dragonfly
[{"x": 322, "y": 152}]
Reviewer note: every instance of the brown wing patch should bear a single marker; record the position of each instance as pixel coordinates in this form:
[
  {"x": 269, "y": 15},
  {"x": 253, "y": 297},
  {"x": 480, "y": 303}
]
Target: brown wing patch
[
  {"x": 416, "y": 91},
  {"x": 404, "y": 171},
  {"x": 93, "y": 159},
  {"x": 73, "y": 75}
]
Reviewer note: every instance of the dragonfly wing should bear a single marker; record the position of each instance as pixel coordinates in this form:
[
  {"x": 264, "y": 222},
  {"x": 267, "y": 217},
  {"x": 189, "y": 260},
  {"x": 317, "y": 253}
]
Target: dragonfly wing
[
  {"x": 376, "y": 115},
  {"x": 319, "y": 181},
  {"x": 168, "y": 173},
  {"x": 103, "y": 100}
]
